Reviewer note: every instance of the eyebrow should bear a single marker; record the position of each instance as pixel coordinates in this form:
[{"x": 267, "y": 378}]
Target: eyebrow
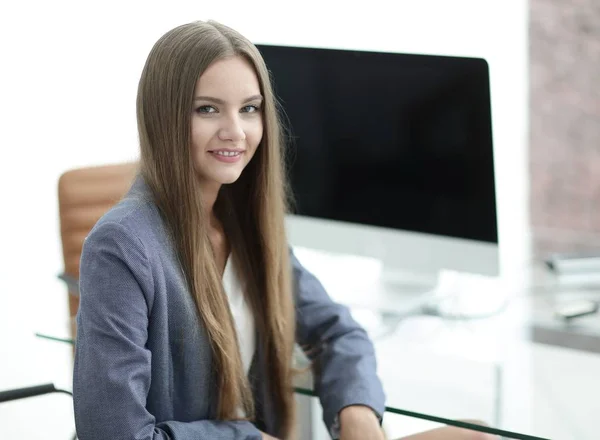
[{"x": 221, "y": 102}]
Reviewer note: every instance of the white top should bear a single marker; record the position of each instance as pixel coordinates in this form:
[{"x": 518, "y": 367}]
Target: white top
[{"x": 241, "y": 312}]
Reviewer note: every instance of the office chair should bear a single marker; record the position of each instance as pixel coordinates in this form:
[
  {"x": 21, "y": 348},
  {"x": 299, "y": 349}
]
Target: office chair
[{"x": 85, "y": 195}]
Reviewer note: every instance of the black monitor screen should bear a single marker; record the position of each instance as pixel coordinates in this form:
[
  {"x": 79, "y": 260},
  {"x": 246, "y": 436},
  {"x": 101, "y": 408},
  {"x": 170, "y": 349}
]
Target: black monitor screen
[{"x": 392, "y": 140}]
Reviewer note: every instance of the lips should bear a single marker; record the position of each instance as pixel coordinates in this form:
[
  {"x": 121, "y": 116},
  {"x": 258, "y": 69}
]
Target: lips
[
  {"x": 227, "y": 155},
  {"x": 227, "y": 152}
]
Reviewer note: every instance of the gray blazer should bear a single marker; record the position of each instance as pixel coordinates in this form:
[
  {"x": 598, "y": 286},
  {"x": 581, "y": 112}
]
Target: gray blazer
[{"x": 143, "y": 366}]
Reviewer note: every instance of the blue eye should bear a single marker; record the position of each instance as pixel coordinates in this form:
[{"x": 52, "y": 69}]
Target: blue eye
[
  {"x": 206, "y": 109},
  {"x": 250, "y": 109}
]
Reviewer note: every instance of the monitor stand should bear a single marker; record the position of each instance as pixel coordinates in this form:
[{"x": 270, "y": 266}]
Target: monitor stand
[
  {"x": 401, "y": 282},
  {"x": 403, "y": 292}
]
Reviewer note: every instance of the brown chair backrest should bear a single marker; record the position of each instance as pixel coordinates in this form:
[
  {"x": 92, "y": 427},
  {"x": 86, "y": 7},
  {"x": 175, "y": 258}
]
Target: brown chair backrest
[{"x": 84, "y": 195}]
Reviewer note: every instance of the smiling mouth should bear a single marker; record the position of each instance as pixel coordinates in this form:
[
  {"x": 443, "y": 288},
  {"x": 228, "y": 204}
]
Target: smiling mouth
[
  {"x": 227, "y": 156},
  {"x": 226, "y": 153}
]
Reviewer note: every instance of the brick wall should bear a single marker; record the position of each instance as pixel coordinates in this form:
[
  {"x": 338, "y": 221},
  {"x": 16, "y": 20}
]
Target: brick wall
[{"x": 565, "y": 125}]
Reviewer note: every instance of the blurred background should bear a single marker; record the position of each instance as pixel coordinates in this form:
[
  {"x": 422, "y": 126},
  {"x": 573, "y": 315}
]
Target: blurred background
[
  {"x": 68, "y": 81},
  {"x": 564, "y": 109}
]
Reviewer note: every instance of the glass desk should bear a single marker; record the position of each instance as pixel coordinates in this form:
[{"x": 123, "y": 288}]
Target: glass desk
[
  {"x": 413, "y": 392},
  {"x": 495, "y": 369},
  {"x": 426, "y": 377},
  {"x": 516, "y": 367}
]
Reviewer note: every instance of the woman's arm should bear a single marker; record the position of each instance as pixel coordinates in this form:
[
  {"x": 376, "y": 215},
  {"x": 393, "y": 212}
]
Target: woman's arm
[
  {"x": 112, "y": 374},
  {"x": 343, "y": 357}
]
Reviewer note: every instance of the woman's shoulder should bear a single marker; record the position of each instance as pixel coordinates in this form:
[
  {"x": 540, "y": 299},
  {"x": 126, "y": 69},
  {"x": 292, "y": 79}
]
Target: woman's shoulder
[
  {"x": 127, "y": 241},
  {"x": 134, "y": 222}
]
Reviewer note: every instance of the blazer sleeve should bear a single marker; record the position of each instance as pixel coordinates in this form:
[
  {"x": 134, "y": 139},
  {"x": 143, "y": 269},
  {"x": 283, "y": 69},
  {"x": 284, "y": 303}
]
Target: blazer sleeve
[
  {"x": 111, "y": 376},
  {"x": 342, "y": 355}
]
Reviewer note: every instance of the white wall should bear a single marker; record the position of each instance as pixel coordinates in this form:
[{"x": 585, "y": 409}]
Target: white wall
[{"x": 67, "y": 99}]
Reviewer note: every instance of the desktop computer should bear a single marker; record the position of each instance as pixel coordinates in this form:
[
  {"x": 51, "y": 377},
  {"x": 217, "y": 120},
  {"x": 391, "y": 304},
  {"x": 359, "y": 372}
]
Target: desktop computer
[{"x": 390, "y": 158}]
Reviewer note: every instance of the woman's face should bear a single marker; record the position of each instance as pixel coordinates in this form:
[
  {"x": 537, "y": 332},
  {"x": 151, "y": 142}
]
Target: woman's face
[{"x": 227, "y": 121}]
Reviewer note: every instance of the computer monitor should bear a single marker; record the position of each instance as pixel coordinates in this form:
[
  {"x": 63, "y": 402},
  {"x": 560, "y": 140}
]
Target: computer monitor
[{"x": 390, "y": 157}]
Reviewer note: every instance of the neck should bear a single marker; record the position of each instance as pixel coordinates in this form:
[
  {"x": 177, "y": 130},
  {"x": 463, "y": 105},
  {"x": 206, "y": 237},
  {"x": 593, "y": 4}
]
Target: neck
[{"x": 210, "y": 192}]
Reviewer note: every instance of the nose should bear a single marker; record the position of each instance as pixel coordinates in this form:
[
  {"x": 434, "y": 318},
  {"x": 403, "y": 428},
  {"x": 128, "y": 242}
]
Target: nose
[{"x": 232, "y": 130}]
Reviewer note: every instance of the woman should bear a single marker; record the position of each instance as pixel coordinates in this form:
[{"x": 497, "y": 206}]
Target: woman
[{"x": 191, "y": 300}]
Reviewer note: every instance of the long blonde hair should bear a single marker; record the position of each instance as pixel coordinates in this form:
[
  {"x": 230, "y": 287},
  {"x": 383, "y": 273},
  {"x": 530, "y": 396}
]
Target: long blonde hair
[{"x": 252, "y": 211}]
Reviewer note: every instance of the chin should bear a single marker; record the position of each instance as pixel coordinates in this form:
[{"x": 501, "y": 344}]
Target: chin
[{"x": 228, "y": 179}]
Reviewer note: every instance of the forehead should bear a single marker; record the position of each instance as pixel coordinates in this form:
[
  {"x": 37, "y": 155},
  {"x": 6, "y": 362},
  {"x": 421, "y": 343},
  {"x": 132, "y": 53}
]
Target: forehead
[{"x": 231, "y": 78}]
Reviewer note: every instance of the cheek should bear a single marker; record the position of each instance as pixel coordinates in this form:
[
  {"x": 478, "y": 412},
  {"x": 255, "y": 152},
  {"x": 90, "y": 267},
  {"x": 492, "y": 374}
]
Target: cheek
[
  {"x": 254, "y": 134},
  {"x": 200, "y": 137}
]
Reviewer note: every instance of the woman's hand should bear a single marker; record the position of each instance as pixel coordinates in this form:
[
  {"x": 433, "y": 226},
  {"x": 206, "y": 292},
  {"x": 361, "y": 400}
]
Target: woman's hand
[
  {"x": 453, "y": 433},
  {"x": 359, "y": 423},
  {"x": 266, "y": 436}
]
